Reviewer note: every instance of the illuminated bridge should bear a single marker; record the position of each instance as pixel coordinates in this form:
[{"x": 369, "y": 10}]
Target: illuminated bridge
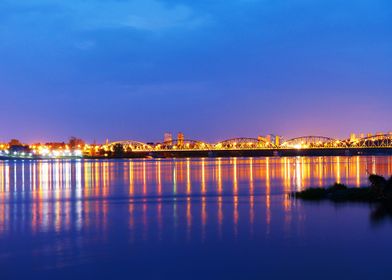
[
  {"x": 305, "y": 145},
  {"x": 183, "y": 145},
  {"x": 128, "y": 146},
  {"x": 243, "y": 144}
]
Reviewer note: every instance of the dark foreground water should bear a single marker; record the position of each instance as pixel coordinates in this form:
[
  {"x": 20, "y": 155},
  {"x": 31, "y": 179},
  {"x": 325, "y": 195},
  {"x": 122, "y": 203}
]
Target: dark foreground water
[{"x": 189, "y": 219}]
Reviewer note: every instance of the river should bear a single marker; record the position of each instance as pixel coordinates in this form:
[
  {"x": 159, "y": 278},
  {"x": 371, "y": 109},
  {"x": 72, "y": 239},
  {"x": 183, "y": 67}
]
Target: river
[{"x": 207, "y": 218}]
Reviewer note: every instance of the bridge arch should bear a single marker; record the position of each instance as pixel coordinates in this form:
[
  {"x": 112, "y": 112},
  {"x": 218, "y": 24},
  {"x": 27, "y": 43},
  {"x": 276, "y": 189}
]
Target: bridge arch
[
  {"x": 313, "y": 142},
  {"x": 129, "y": 145},
  {"x": 186, "y": 144},
  {"x": 375, "y": 141},
  {"x": 243, "y": 143}
]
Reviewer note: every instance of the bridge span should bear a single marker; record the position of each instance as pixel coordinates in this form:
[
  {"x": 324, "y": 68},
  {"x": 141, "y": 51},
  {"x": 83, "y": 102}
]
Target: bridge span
[{"x": 306, "y": 146}]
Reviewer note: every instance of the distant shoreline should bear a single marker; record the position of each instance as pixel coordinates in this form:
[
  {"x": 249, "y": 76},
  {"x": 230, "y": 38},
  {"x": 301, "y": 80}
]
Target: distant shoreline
[{"x": 225, "y": 153}]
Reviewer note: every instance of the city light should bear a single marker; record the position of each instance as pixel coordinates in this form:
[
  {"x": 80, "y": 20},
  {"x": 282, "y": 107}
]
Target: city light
[{"x": 176, "y": 147}]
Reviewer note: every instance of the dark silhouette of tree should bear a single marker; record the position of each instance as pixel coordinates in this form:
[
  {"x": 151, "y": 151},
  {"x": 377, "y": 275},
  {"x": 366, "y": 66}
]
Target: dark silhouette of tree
[
  {"x": 118, "y": 150},
  {"x": 15, "y": 142},
  {"x": 75, "y": 142}
]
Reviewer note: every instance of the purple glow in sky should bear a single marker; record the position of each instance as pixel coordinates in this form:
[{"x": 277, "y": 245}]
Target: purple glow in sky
[{"x": 211, "y": 69}]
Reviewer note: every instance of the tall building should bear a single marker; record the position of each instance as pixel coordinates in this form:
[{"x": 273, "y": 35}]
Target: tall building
[
  {"x": 167, "y": 137},
  {"x": 277, "y": 140},
  {"x": 269, "y": 138},
  {"x": 180, "y": 138},
  {"x": 353, "y": 137}
]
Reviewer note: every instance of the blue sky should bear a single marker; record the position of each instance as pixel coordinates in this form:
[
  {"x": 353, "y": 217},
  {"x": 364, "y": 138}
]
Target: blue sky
[{"x": 212, "y": 69}]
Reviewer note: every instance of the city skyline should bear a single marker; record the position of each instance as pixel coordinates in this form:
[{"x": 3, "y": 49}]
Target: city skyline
[
  {"x": 180, "y": 136},
  {"x": 135, "y": 69}
]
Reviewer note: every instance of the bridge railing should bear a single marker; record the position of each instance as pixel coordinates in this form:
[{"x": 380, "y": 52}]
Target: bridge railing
[
  {"x": 183, "y": 145},
  {"x": 307, "y": 142}
]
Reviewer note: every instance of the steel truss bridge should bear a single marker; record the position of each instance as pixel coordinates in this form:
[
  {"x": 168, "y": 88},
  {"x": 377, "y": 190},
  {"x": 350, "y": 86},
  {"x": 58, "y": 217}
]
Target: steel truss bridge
[{"x": 248, "y": 144}]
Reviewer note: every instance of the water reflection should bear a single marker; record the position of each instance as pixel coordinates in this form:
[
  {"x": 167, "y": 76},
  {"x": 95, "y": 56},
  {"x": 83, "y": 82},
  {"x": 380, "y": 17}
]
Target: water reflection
[
  {"x": 381, "y": 212},
  {"x": 77, "y": 195}
]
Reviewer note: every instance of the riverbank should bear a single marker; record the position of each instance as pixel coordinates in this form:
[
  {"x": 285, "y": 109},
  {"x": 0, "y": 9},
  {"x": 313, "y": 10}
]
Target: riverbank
[{"x": 214, "y": 154}]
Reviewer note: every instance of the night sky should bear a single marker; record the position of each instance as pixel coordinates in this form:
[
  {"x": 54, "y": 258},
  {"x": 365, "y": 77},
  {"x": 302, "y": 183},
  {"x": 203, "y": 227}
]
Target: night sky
[{"x": 214, "y": 69}]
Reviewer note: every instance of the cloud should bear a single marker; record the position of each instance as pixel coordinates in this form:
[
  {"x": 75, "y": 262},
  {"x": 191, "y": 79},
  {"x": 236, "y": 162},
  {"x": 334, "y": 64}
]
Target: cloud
[
  {"x": 94, "y": 14},
  {"x": 139, "y": 14},
  {"x": 155, "y": 90},
  {"x": 85, "y": 45}
]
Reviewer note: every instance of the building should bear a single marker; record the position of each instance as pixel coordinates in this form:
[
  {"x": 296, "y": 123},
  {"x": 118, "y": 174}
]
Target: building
[
  {"x": 180, "y": 138},
  {"x": 167, "y": 137},
  {"x": 56, "y": 145},
  {"x": 353, "y": 137},
  {"x": 268, "y": 138},
  {"x": 277, "y": 140}
]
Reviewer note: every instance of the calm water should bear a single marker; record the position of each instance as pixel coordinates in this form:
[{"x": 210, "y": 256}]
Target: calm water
[{"x": 188, "y": 219}]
